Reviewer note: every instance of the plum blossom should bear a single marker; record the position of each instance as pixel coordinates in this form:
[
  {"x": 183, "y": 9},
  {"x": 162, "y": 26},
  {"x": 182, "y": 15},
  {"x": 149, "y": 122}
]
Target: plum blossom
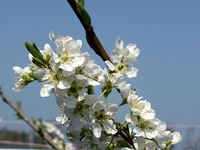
[
  {"x": 122, "y": 58},
  {"x": 140, "y": 107},
  {"x": 68, "y": 54},
  {"x": 102, "y": 117},
  {"x": 24, "y": 76},
  {"x": 72, "y": 76}
]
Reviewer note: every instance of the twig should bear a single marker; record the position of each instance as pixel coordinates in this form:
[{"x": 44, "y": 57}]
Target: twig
[
  {"x": 35, "y": 145},
  {"x": 30, "y": 123},
  {"x": 96, "y": 45},
  {"x": 127, "y": 139},
  {"x": 93, "y": 40}
]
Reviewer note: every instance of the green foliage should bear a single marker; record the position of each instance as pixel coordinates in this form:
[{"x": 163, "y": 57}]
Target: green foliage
[
  {"x": 81, "y": 3},
  {"x": 85, "y": 16},
  {"x": 35, "y": 52},
  {"x": 107, "y": 89},
  {"x": 90, "y": 89}
]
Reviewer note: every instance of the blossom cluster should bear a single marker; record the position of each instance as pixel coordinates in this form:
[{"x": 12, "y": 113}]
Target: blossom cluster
[{"x": 71, "y": 75}]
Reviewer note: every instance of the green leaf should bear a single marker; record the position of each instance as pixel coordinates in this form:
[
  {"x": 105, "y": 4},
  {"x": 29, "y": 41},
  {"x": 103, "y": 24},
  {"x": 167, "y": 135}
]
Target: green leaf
[
  {"x": 38, "y": 62},
  {"x": 85, "y": 16},
  {"x": 111, "y": 146},
  {"x": 81, "y": 3},
  {"x": 90, "y": 89},
  {"x": 35, "y": 52}
]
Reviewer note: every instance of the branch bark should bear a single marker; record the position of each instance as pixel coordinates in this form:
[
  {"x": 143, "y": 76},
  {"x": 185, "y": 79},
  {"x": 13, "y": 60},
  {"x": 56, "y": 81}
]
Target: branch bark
[
  {"x": 91, "y": 37},
  {"x": 96, "y": 45},
  {"x": 30, "y": 123}
]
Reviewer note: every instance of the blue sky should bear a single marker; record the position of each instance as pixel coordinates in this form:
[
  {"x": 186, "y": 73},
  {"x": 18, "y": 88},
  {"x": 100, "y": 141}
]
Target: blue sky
[{"x": 167, "y": 32}]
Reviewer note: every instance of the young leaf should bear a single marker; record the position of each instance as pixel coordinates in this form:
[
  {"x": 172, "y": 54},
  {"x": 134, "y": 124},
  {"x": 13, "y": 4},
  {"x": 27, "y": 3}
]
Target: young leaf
[
  {"x": 38, "y": 62},
  {"x": 85, "y": 16},
  {"x": 35, "y": 52},
  {"x": 81, "y": 3},
  {"x": 90, "y": 89}
]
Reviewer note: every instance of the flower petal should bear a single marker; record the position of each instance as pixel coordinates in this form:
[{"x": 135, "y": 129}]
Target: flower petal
[
  {"x": 96, "y": 129},
  {"x": 131, "y": 72},
  {"x": 45, "y": 90},
  {"x": 110, "y": 65},
  {"x": 112, "y": 108},
  {"x": 98, "y": 106},
  {"x": 63, "y": 85},
  {"x": 109, "y": 127},
  {"x": 70, "y": 102},
  {"x": 66, "y": 67}
]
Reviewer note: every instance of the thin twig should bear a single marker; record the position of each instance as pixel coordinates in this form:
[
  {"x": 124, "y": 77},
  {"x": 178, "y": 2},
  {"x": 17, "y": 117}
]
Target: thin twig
[
  {"x": 94, "y": 43},
  {"x": 123, "y": 135},
  {"x": 30, "y": 123},
  {"x": 35, "y": 145}
]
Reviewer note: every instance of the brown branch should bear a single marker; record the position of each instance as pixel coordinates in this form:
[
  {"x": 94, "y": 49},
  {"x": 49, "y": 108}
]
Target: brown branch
[
  {"x": 30, "y": 123},
  {"x": 125, "y": 137},
  {"x": 35, "y": 145},
  {"x": 96, "y": 45},
  {"x": 92, "y": 39}
]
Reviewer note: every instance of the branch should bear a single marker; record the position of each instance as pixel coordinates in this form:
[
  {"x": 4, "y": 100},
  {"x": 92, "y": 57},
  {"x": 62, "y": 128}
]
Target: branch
[
  {"x": 94, "y": 43},
  {"x": 91, "y": 37},
  {"x": 127, "y": 139},
  {"x": 30, "y": 123},
  {"x": 35, "y": 145}
]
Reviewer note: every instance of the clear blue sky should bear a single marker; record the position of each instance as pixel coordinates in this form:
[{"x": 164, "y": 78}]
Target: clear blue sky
[{"x": 167, "y": 32}]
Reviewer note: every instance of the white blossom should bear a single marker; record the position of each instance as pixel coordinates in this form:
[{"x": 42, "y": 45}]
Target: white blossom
[
  {"x": 140, "y": 107},
  {"x": 68, "y": 55},
  {"x": 123, "y": 58},
  {"x": 102, "y": 117},
  {"x": 24, "y": 76}
]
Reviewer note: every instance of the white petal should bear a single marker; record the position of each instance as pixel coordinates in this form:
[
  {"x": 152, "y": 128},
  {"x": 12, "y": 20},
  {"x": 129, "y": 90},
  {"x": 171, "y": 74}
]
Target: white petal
[
  {"x": 112, "y": 108},
  {"x": 96, "y": 129},
  {"x": 42, "y": 74},
  {"x": 70, "y": 102},
  {"x": 55, "y": 57},
  {"x": 176, "y": 137},
  {"x": 52, "y": 36},
  {"x": 81, "y": 77},
  {"x": 47, "y": 48},
  {"x": 98, "y": 106},
  {"x": 148, "y": 115},
  {"x": 27, "y": 70},
  {"x": 162, "y": 126},
  {"x": 119, "y": 43},
  {"x": 62, "y": 119},
  {"x": 79, "y": 42},
  {"x": 78, "y": 61},
  {"x": 66, "y": 67},
  {"x": 128, "y": 118},
  {"x": 131, "y": 72},
  {"x": 93, "y": 82},
  {"x": 18, "y": 70},
  {"x": 45, "y": 90},
  {"x": 63, "y": 85},
  {"x": 30, "y": 57},
  {"x": 126, "y": 148},
  {"x": 109, "y": 127},
  {"x": 110, "y": 65}
]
